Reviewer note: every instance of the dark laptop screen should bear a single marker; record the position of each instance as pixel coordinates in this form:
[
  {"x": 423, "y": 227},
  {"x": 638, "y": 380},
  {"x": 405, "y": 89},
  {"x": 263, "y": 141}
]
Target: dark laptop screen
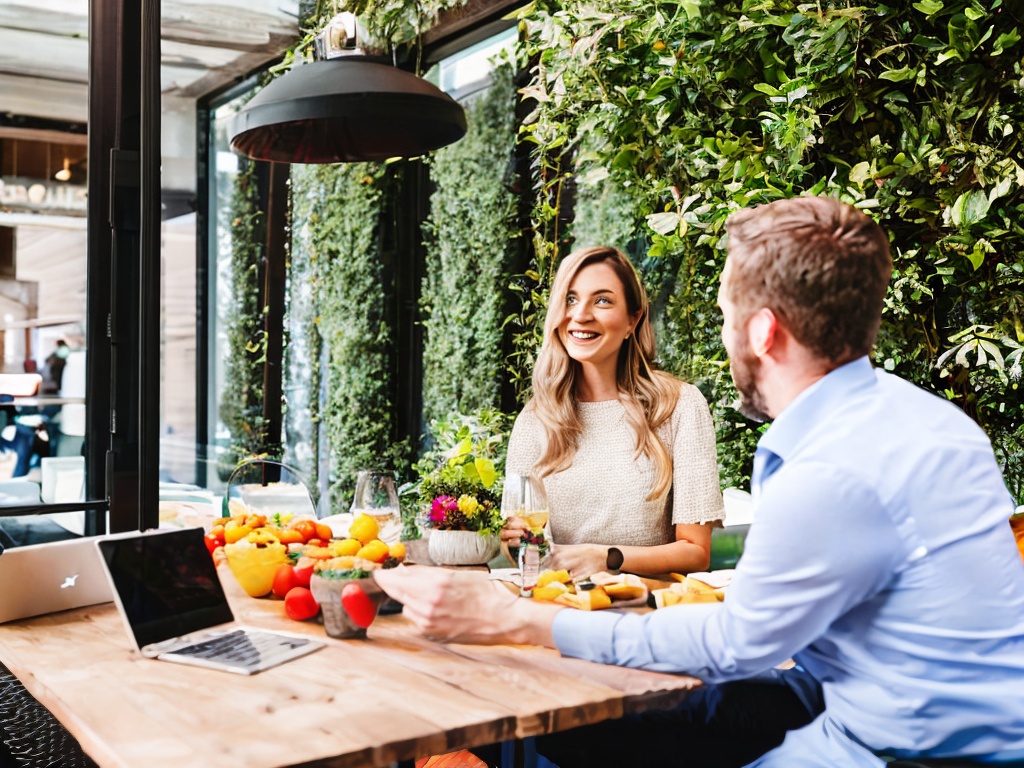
[{"x": 167, "y": 584}]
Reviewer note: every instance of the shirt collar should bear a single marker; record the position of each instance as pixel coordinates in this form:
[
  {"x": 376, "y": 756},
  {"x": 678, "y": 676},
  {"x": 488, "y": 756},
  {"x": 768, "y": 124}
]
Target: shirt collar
[{"x": 814, "y": 403}]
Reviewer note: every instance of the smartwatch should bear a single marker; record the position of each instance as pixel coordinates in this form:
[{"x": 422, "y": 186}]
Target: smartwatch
[{"x": 615, "y": 560}]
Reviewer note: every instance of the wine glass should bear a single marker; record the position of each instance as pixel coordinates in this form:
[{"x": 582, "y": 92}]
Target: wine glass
[
  {"x": 533, "y": 503},
  {"x": 376, "y": 496}
]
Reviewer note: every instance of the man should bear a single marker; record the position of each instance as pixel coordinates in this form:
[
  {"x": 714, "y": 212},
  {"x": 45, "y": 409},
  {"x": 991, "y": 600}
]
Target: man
[
  {"x": 53, "y": 370},
  {"x": 880, "y": 559}
]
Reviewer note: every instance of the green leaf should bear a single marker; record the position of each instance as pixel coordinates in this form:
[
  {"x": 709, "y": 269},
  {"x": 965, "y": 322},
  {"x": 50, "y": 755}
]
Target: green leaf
[
  {"x": 929, "y": 7},
  {"x": 976, "y": 256},
  {"x": 898, "y": 75},
  {"x": 485, "y": 469},
  {"x": 970, "y": 208},
  {"x": 664, "y": 223},
  {"x": 1005, "y": 40}
]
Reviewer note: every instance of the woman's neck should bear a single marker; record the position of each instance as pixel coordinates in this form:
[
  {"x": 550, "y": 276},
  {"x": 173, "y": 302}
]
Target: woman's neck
[{"x": 594, "y": 386}]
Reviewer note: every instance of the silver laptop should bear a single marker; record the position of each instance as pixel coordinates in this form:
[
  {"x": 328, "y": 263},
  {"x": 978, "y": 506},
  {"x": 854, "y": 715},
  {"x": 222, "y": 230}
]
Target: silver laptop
[
  {"x": 170, "y": 597},
  {"x": 44, "y": 578}
]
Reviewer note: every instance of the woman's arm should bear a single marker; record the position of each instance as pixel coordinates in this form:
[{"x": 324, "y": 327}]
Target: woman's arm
[{"x": 691, "y": 551}]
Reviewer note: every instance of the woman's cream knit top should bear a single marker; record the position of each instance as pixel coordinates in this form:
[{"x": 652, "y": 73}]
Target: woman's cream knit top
[{"x": 602, "y": 497}]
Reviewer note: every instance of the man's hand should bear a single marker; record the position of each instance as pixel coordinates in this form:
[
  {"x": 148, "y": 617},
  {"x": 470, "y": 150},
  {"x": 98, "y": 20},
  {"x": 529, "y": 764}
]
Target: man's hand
[
  {"x": 580, "y": 560},
  {"x": 466, "y": 606}
]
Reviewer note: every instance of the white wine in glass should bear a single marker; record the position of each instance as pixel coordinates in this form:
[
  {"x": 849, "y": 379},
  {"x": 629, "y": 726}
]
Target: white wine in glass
[{"x": 534, "y": 503}]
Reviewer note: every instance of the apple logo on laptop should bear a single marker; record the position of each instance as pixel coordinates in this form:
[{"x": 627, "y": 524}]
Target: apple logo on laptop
[{"x": 69, "y": 582}]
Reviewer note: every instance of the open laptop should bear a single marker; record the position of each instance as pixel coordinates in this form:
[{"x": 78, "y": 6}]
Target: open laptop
[
  {"x": 44, "y": 578},
  {"x": 167, "y": 590}
]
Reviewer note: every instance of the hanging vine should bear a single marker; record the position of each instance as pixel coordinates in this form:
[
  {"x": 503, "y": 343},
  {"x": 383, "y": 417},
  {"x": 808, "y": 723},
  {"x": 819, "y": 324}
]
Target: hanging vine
[
  {"x": 340, "y": 243},
  {"x": 241, "y": 401},
  {"x": 469, "y": 238}
]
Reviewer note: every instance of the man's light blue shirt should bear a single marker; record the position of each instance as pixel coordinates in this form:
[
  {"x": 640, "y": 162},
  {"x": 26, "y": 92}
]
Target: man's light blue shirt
[{"x": 881, "y": 560}]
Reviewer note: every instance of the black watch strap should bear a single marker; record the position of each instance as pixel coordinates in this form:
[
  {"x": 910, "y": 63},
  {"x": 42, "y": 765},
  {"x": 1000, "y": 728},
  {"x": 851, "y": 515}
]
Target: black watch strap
[{"x": 615, "y": 559}]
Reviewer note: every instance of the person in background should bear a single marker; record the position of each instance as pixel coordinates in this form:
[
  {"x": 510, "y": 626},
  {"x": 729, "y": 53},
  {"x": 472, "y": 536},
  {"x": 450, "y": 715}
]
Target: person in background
[
  {"x": 626, "y": 452},
  {"x": 880, "y": 558},
  {"x": 53, "y": 370}
]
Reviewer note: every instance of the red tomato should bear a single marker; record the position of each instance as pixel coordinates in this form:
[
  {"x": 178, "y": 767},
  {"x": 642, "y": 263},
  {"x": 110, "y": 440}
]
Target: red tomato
[
  {"x": 307, "y": 528},
  {"x": 300, "y": 604},
  {"x": 359, "y": 607},
  {"x": 303, "y": 574},
  {"x": 211, "y": 542},
  {"x": 284, "y": 579}
]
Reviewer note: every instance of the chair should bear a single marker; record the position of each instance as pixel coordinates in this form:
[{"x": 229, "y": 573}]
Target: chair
[{"x": 950, "y": 762}]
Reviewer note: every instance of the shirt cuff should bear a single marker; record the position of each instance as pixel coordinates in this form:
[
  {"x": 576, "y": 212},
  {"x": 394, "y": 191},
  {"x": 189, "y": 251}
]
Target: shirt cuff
[{"x": 586, "y": 634}]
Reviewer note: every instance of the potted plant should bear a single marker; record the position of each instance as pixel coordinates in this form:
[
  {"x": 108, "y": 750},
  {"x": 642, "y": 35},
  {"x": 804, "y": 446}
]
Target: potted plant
[{"x": 460, "y": 490}]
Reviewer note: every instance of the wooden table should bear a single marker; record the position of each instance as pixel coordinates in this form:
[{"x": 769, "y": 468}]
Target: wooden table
[{"x": 394, "y": 696}]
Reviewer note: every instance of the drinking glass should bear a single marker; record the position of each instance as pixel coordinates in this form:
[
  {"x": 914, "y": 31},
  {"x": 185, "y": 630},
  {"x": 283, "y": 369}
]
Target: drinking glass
[
  {"x": 533, "y": 503},
  {"x": 376, "y": 496}
]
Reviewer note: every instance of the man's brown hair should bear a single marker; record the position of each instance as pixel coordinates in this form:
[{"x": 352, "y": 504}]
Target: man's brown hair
[{"x": 819, "y": 264}]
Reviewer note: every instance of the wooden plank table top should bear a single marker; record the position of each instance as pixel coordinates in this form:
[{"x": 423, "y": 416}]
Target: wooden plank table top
[{"x": 392, "y": 696}]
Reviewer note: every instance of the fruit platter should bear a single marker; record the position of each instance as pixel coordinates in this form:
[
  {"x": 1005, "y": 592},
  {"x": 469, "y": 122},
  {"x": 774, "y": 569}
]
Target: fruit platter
[
  {"x": 626, "y": 590},
  {"x": 299, "y": 560}
]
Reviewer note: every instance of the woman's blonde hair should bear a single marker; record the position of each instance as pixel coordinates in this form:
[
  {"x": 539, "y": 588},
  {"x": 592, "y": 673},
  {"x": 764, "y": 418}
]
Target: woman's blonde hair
[{"x": 649, "y": 396}]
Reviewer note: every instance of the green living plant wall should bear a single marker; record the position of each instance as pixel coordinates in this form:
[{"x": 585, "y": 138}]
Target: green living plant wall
[
  {"x": 469, "y": 239},
  {"x": 336, "y": 252},
  {"x": 241, "y": 401},
  {"x": 911, "y": 111}
]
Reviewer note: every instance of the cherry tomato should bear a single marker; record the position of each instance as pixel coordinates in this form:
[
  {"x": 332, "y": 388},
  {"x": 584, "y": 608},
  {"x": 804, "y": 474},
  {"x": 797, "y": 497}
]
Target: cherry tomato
[
  {"x": 300, "y": 605},
  {"x": 307, "y": 528},
  {"x": 357, "y": 604},
  {"x": 284, "y": 579},
  {"x": 211, "y": 542},
  {"x": 324, "y": 532},
  {"x": 303, "y": 573},
  {"x": 289, "y": 536}
]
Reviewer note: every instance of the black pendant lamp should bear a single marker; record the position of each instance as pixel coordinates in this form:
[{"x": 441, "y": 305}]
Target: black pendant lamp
[{"x": 346, "y": 108}]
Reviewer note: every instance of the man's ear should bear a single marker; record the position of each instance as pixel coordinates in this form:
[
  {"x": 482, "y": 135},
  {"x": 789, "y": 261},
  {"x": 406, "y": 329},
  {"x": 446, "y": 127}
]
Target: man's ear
[{"x": 761, "y": 328}]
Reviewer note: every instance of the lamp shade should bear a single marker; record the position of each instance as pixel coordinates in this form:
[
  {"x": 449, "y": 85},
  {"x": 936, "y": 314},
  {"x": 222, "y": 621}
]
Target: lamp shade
[{"x": 346, "y": 109}]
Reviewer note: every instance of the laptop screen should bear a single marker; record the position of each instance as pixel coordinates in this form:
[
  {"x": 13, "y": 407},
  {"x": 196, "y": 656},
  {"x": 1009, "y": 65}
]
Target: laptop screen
[{"x": 167, "y": 584}]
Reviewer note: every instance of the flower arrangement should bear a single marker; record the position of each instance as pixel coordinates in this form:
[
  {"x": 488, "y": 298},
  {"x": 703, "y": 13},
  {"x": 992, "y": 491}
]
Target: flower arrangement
[{"x": 460, "y": 487}]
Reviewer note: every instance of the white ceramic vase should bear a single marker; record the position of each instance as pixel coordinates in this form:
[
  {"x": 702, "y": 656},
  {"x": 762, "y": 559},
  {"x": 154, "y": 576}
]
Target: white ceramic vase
[{"x": 462, "y": 547}]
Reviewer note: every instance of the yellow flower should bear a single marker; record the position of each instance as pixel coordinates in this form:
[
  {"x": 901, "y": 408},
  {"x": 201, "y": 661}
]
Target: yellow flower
[{"x": 469, "y": 506}]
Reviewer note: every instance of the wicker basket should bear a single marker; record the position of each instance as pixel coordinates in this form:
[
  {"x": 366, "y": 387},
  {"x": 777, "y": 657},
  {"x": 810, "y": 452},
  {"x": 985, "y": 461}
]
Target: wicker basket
[{"x": 327, "y": 592}]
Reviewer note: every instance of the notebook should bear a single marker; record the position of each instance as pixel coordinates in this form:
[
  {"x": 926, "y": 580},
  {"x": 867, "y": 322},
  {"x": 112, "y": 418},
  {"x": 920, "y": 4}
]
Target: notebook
[
  {"x": 168, "y": 593},
  {"x": 44, "y": 578}
]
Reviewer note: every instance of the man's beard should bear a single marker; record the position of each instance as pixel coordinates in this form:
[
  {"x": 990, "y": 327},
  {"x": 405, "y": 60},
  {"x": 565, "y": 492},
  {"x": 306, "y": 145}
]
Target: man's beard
[{"x": 744, "y": 366}]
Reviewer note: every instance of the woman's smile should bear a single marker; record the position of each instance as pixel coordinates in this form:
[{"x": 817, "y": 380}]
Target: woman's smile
[{"x": 597, "y": 319}]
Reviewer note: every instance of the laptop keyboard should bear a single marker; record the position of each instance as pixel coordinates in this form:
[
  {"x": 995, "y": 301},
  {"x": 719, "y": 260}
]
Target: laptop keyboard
[{"x": 244, "y": 648}]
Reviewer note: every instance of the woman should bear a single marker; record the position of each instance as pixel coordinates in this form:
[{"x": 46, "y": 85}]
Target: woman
[{"x": 627, "y": 453}]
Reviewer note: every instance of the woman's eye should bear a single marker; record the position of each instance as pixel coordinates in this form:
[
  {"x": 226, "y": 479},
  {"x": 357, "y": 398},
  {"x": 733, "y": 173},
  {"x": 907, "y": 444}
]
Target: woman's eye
[
  {"x": 603, "y": 300},
  {"x": 570, "y": 300}
]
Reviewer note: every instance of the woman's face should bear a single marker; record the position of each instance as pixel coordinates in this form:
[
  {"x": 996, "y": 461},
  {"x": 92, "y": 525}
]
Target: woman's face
[{"x": 596, "y": 320}]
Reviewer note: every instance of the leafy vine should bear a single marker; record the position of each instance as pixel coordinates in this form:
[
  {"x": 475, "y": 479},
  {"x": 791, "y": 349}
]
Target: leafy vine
[{"x": 469, "y": 239}]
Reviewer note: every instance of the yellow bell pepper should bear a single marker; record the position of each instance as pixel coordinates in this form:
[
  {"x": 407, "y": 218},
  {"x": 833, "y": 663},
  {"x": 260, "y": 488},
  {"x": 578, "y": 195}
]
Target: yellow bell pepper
[{"x": 255, "y": 563}]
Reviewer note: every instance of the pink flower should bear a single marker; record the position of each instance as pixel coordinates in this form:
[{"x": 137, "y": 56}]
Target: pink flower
[{"x": 440, "y": 508}]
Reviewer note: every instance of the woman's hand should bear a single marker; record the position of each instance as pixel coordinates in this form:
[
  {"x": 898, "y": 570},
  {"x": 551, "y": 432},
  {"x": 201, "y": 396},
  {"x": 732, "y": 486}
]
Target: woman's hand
[
  {"x": 580, "y": 560},
  {"x": 512, "y": 533}
]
